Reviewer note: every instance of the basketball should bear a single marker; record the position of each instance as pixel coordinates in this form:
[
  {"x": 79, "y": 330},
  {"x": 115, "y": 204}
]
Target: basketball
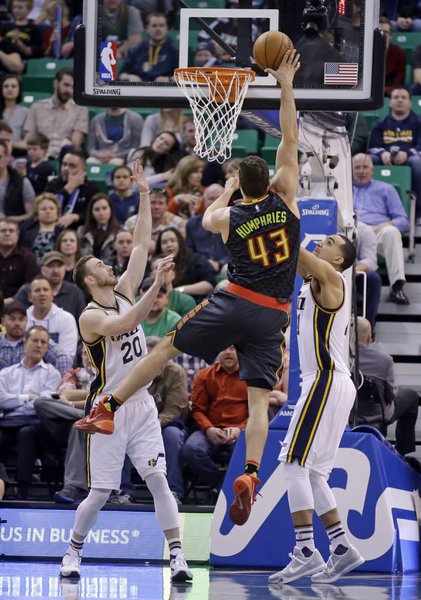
[{"x": 269, "y": 49}]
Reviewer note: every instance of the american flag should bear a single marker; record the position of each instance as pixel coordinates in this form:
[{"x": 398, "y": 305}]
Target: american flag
[{"x": 341, "y": 74}]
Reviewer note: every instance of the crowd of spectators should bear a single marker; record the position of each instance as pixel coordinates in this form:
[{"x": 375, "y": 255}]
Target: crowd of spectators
[{"x": 51, "y": 213}]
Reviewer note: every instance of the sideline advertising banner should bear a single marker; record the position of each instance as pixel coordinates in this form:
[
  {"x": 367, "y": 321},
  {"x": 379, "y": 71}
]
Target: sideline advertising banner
[
  {"x": 378, "y": 496},
  {"x": 126, "y": 535}
]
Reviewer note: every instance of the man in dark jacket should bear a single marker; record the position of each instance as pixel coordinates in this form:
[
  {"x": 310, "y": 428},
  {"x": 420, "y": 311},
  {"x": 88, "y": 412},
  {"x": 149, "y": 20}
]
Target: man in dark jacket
[
  {"x": 73, "y": 189},
  {"x": 17, "y": 264},
  {"x": 403, "y": 402},
  {"x": 155, "y": 58},
  {"x": 396, "y": 139}
]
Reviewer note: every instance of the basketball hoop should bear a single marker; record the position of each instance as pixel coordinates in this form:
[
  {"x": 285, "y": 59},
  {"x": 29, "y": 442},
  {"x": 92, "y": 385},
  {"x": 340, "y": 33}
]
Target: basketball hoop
[{"x": 215, "y": 95}]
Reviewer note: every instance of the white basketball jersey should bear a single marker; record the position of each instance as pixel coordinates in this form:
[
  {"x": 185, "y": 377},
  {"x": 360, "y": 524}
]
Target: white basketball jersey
[
  {"x": 322, "y": 334},
  {"x": 114, "y": 356}
]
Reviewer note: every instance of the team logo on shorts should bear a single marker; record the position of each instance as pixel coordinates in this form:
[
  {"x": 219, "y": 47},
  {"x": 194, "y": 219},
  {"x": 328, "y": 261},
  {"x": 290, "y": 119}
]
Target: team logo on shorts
[{"x": 152, "y": 462}]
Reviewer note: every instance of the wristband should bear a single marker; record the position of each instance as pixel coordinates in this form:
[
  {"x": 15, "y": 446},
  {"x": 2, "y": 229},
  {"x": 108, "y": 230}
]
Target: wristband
[{"x": 144, "y": 193}]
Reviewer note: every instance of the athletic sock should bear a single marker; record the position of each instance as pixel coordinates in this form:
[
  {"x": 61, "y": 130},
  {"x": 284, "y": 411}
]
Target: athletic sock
[
  {"x": 76, "y": 544},
  {"x": 252, "y": 467},
  {"x": 337, "y": 538},
  {"x": 175, "y": 547},
  {"x": 112, "y": 403},
  {"x": 304, "y": 539}
]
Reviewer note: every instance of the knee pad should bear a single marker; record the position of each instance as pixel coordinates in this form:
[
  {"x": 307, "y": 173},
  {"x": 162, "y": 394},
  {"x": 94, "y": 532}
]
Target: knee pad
[
  {"x": 165, "y": 505},
  {"x": 324, "y": 500},
  {"x": 300, "y": 495}
]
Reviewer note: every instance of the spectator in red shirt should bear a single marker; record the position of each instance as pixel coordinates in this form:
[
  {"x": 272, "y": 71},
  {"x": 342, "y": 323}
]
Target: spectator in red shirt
[
  {"x": 220, "y": 412},
  {"x": 395, "y": 59}
]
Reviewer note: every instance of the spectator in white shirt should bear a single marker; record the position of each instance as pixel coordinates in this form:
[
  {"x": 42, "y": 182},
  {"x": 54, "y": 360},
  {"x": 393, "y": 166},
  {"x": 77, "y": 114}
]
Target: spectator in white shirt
[
  {"x": 60, "y": 324},
  {"x": 20, "y": 385}
]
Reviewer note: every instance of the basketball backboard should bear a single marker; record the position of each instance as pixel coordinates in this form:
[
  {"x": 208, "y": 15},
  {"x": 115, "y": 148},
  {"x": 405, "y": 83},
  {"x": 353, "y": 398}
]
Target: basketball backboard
[{"x": 342, "y": 52}]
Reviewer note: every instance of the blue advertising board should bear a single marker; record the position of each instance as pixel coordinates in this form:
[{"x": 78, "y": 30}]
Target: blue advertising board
[
  {"x": 378, "y": 497},
  {"x": 126, "y": 535}
]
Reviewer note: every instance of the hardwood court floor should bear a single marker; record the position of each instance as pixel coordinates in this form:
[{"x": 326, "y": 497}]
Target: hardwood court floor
[{"x": 151, "y": 582}]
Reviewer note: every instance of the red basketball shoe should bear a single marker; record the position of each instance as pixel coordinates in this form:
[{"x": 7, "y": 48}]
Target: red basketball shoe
[
  {"x": 99, "y": 420},
  {"x": 245, "y": 495}
]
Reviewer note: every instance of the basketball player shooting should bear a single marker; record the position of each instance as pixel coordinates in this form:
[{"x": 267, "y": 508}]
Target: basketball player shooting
[
  {"x": 321, "y": 413},
  {"x": 262, "y": 235}
]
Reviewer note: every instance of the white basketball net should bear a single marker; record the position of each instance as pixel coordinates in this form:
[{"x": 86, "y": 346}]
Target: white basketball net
[{"x": 216, "y": 97}]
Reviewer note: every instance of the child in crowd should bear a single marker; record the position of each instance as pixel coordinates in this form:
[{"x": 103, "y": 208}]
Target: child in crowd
[{"x": 39, "y": 169}]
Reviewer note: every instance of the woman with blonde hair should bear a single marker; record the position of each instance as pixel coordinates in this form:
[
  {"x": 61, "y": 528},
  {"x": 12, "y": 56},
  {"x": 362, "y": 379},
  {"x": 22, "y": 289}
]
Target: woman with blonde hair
[
  {"x": 98, "y": 233},
  {"x": 40, "y": 233},
  {"x": 68, "y": 244},
  {"x": 166, "y": 119},
  {"x": 185, "y": 190}
]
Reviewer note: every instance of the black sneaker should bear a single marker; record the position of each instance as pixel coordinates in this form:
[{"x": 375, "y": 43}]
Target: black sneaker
[
  {"x": 398, "y": 297},
  {"x": 69, "y": 495}
]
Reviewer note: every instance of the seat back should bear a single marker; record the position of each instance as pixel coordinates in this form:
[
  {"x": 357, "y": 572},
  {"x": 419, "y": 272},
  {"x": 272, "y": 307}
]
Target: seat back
[
  {"x": 101, "y": 174},
  {"x": 245, "y": 141},
  {"x": 407, "y": 40},
  {"x": 28, "y": 98},
  {"x": 47, "y": 67},
  {"x": 400, "y": 178},
  {"x": 40, "y": 73},
  {"x": 380, "y": 113}
]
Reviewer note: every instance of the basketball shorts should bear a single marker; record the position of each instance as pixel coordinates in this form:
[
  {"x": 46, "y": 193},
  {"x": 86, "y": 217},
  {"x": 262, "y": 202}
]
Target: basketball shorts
[
  {"x": 225, "y": 319},
  {"x": 138, "y": 434},
  {"x": 319, "y": 420}
]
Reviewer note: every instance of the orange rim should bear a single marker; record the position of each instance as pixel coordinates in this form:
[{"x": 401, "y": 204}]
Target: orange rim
[
  {"x": 220, "y": 76},
  {"x": 225, "y": 74}
]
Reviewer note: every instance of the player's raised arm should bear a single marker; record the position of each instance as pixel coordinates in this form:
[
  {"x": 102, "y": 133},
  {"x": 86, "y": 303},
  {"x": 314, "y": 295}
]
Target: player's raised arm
[
  {"x": 216, "y": 217},
  {"x": 311, "y": 266},
  {"x": 95, "y": 322},
  {"x": 326, "y": 281},
  {"x": 131, "y": 279},
  {"x": 284, "y": 182}
]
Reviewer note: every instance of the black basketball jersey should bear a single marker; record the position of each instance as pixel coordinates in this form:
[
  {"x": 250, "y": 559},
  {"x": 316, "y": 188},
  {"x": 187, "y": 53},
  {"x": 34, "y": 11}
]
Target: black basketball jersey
[{"x": 263, "y": 242}]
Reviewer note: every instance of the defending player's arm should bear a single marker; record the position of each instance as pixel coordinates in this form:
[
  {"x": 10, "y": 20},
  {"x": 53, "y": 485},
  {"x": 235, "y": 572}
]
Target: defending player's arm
[
  {"x": 284, "y": 182},
  {"x": 326, "y": 281},
  {"x": 129, "y": 282},
  {"x": 95, "y": 323},
  {"x": 216, "y": 217}
]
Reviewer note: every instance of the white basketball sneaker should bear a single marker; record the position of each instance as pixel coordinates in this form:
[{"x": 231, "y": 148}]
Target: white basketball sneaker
[
  {"x": 300, "y": 566},
  {"x": 339, "y": 565},
  {"x": 70, "y": 565},
  {"x": 179, "y": 568}
]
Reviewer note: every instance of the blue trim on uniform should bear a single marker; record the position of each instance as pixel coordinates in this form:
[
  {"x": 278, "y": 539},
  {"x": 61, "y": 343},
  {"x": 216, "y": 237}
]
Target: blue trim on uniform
[{"x": 310, "y": 417}]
